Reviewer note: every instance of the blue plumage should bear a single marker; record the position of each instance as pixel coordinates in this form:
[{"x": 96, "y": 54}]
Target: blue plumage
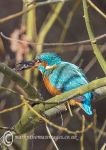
[{"x": 65, "y": 76}]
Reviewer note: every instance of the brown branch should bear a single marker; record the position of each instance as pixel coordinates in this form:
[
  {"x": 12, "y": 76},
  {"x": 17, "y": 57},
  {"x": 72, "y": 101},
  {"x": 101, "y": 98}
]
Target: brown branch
[
  {"x": 10, "y": 17},
  {"x": 55, "y": 44},
  {"x": 11, "y": 108},
  {"x": 96, "y": 8}
]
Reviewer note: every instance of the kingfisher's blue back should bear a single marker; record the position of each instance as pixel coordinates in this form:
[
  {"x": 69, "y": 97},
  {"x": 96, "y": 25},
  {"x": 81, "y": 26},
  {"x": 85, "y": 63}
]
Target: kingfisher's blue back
[{"x": 64, "y": 77}]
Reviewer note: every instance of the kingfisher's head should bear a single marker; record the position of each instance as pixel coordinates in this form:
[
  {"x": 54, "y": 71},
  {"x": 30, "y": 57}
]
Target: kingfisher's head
[
  {"x": 44, "y": 61},
  {"x": 47, "y": 61}
]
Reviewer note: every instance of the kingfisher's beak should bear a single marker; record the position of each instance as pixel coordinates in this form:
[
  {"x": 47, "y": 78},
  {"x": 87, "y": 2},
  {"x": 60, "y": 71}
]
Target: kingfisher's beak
[{"x": 36, "y": 64}]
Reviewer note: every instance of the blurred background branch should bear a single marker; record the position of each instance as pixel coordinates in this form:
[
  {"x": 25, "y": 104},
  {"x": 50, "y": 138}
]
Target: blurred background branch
[
  {"x": 30, "y": 8},
  {"x": 96, "y": 8}
]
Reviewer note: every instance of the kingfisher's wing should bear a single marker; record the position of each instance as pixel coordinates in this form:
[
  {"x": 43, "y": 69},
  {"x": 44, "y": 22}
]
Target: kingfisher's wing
[{"x": 67, "y": 76}]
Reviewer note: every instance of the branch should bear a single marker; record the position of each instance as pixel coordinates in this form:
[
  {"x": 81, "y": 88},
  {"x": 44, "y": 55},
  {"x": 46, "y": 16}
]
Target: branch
[
  {"x": 10, "y": 17},
  {"x": 27, "y": 87},
  {"x": 6, "y": 128},
  {"x": 98, "y": 38},
  {"x": 50, "y": 135},
  {"x": 82, "y": 136},
  {"x": 96, "y": 8},
  {"x": 47, "y": 26},
  {"x": 28, "y": 121},
  {"x": 53, "y": 124},
  {"x": 95, "y": 47},
  {"x": 11, "y": 108},
  {"x": 100, "y": 93},
  {"x": 69, "y": 20}
]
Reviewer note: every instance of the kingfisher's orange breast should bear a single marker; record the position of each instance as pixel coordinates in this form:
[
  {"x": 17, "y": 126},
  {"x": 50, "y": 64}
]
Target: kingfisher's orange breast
[{"x": 52, "y": 90}]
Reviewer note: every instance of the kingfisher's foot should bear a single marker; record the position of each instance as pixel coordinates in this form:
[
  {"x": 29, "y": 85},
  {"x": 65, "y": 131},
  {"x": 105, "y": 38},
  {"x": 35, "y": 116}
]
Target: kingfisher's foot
[
  {"x": 74, "y": 102},
  {"x": 83, "y": 106}
]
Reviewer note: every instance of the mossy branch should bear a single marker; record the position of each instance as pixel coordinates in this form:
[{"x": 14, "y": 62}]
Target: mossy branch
[
  {"x": 95, "y": 47},
  {"x": 98, "y": 38},
  {"x": 27, "y": 87},
  {"x": 28, "y": 121}
]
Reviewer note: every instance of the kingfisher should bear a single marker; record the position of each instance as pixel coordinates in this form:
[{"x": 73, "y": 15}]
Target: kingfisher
[{"x": 60, "y": 76}]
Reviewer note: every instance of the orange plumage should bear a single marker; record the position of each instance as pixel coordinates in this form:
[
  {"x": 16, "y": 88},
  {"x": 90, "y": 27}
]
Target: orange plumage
[
  {"x": 55, "y": 91},
  {"x": 50, "y": 87}
]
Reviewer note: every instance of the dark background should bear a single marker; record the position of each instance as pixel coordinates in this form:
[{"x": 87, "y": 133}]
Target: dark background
[{"x": 76, "y": 32}]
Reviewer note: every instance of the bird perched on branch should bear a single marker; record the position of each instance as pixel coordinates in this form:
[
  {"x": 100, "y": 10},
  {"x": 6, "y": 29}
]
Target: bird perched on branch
[{"x": 60, "y": 76}]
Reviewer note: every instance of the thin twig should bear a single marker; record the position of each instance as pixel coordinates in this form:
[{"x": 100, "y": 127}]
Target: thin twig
[
  {"x": 103, "y": 147},
  {"x": 78, "y": 54},
  {"x": 66, "y": 121},
  {"x": 47, "y": 26},
  {"x": 101, "y": 131},
  {"x": 6, "y": 128},
  {"x": 53, "y": 141},
  {"x": 95, "y": 133},
  {"x": 11, "y": 108},
  {"x": 69, "y": 19},
  {"x": 28, "y": 9},
  {"x": 82, "y": 135},
  {"x": 54, "y": 44},
  {"x": 9, "y": 90},
  {"x": 70, "y": 112},
  {"x": 96, "y": 8},
  {"x": 10, "y": 17}
]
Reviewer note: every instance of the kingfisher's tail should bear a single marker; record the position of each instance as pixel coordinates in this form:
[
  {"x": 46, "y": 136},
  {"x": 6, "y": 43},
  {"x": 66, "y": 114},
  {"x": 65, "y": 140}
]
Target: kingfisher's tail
[
  {"x": 84, "y": 102},
  {"x": 86, "y": 105},
  {"x": 87, "y": 108}
]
